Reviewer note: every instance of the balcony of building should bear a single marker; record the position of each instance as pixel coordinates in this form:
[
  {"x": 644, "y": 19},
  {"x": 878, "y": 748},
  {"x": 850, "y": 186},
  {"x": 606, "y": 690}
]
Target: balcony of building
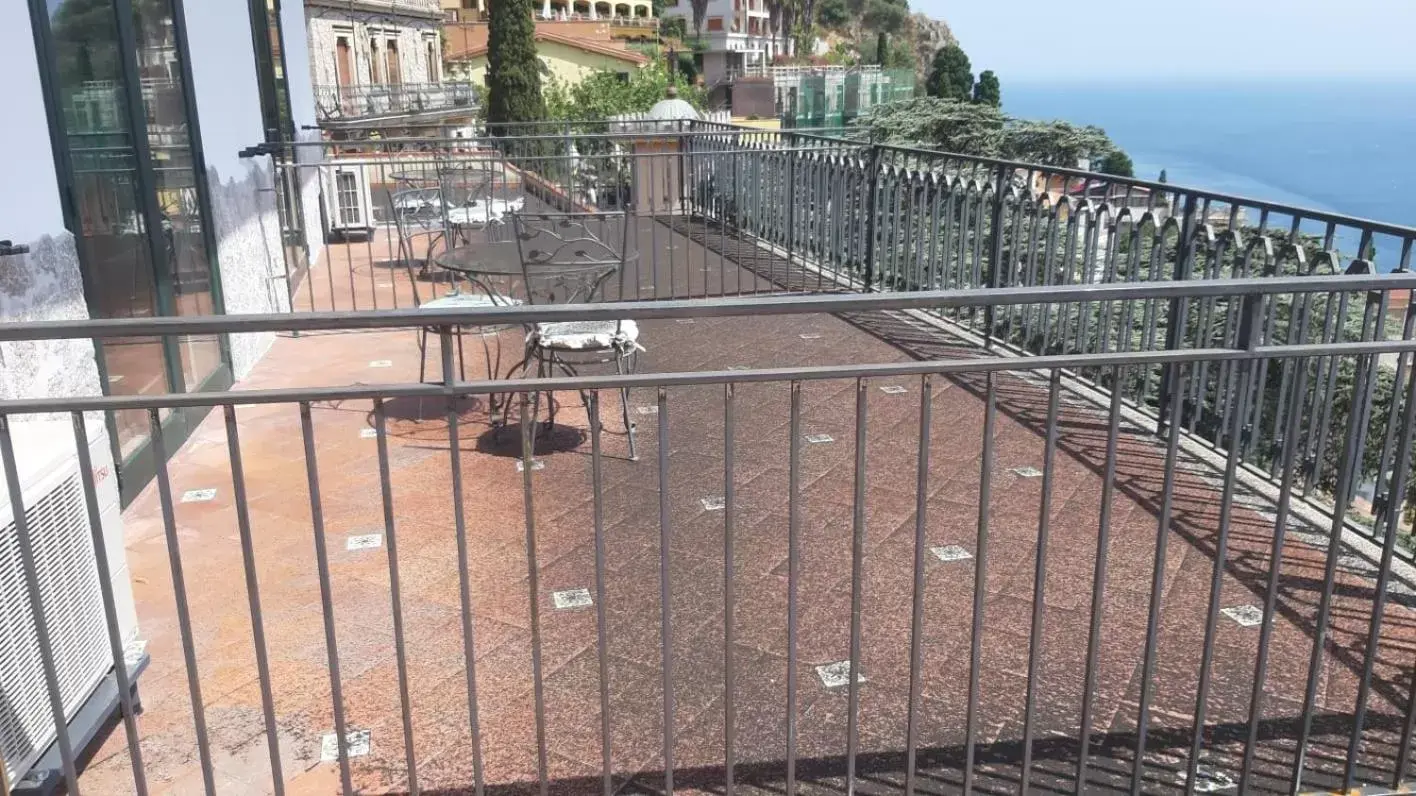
[
  {"x": 355, "y": 106},
  {"x": 927, "y": 491}
]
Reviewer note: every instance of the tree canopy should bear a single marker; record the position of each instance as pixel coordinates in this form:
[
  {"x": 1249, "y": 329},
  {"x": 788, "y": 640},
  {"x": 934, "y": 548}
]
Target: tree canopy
[
  {"x": 601, "y": 95},
  {"x": 950, "y": 75},
  {"x": 987, "y": 90},
  {"x": 1117, "y": 163},
  {"x": 513, "y": 70},
  {"x": 973, "y": 128}
]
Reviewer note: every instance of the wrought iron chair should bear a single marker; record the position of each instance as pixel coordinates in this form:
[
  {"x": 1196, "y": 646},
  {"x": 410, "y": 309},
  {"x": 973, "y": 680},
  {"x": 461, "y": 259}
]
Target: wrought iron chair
[
  {"x": 566, "y": 258},
  {"x": 457, "y": 297},
  {"x": 418, "y": 213}
]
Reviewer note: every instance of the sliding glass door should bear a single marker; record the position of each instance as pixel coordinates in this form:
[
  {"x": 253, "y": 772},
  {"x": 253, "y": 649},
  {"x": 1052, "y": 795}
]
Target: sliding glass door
[{"x": 121, "y": 121}]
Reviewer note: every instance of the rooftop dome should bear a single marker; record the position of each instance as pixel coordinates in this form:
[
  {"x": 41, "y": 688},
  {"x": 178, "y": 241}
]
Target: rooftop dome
[{"x": 671, "y": 108}]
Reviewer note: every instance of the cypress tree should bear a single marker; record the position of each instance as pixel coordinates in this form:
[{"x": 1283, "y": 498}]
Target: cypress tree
[{"x": 513, "y": 70}]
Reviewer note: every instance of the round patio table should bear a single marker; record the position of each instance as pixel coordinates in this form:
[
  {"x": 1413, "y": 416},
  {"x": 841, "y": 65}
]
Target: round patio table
[{"x": 494, "y": 269}]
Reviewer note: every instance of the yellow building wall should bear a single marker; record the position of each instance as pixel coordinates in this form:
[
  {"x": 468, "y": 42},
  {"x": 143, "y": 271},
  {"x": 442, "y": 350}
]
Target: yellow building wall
[
  {"x": 759, "y": 124},
  {"x": 569, "y": 64}
]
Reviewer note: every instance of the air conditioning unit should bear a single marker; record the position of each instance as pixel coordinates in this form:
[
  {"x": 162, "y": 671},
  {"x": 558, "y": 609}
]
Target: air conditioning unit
[
  {"x": 57, "y": 517},
  {"x": 348, "y": 204}
]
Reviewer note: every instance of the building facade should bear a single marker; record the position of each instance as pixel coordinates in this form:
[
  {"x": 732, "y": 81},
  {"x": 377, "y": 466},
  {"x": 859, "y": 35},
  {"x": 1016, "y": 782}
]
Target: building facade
[
  {"x": 377, "y": 65},
  {"x": 569, "y": 51},
  {"x": 131, "y": 198},
  {"x": 618, "y": 10},
  {"x": 736, "y": 37}
]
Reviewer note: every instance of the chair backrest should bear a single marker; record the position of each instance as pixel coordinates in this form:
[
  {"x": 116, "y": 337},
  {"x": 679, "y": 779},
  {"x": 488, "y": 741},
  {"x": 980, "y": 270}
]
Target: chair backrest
[{"x": 566, "y": 258}]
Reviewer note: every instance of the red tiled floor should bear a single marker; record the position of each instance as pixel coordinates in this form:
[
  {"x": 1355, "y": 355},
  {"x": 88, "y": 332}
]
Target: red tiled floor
[{"x": 692, "y": 435}]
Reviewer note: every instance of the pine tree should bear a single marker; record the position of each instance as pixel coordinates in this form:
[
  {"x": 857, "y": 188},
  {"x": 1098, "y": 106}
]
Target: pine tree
[
  {"x": 513, "y": 70},
  {"x": 987, "y": 89},
  {"x": 950, "y": 75}
]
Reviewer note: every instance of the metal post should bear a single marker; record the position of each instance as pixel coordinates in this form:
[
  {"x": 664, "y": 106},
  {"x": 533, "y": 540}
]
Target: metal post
[
  {"x": 1185, "y": 257},
  {"x": 870, "y": 199},
  {"x": 995, "y": 269}
]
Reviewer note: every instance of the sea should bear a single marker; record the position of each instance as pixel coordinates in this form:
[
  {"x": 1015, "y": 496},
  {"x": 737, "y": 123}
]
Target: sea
[{"x": 1340, "y": 147}]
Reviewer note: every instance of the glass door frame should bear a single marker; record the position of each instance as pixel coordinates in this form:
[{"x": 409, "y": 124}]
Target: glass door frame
[{"x": 139, "y": 467}]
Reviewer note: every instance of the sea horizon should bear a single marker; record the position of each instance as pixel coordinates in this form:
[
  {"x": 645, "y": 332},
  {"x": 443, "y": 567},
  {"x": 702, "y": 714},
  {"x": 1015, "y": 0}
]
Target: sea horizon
[{"x": 1337, "y": 145}]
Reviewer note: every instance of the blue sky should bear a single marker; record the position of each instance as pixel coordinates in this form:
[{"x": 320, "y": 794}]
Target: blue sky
[{"x": 1062, "y": 39}]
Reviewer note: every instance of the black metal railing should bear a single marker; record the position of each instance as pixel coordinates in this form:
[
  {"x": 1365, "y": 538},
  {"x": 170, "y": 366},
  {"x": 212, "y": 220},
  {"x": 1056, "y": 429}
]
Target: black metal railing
[{"x": 1349, "y": 721}]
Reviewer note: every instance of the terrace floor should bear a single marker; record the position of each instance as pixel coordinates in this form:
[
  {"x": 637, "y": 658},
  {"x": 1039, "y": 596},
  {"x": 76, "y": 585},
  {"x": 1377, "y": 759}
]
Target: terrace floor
[{"x": 692, "y": 434}]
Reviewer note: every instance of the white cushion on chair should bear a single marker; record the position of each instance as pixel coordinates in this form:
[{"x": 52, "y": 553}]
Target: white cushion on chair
[
  {"x": 588, "y": 335},
  {"x": 467, "y": 301}
]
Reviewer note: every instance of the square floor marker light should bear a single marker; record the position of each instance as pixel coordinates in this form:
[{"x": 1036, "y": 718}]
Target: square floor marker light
[
  {"x": 357, "y": 743},
  {"x": 950, "y": 552},
  {"x": 381, "y": 363},
  {"x": 536, "y": 464},
  {"x": 198, "y": 495},
  {"x": 368, "y": 433},
  {"x": 838, "y": 674},
  {"x": 713, "y": 503},
  {"x": 894, "y": 389},
  {"x": 1245, "y": 615},
  {"x": 571, "y": 598},
  {"x": 1026, "y": 472},
  {"x": 364, "y": 541},
  {"x": 819, "y": 439}
]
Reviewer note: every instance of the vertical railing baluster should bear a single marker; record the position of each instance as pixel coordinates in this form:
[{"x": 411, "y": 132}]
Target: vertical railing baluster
[
  {"x": 1044, "y": 523},
  {"x": 729, "y": 520},
  {"x": 990, "y": 409},
  {"x": 110, "y": 606},
  {"x": 666, "y": 634},
  {"x": 1098, "y": 601},
  {"x": 793, "y": 576},
  {"x": 857, "y": 557},
  {"x": 395, "y": 593},
  {"x": 253, "y": 596},
  {"x": 179, "y": 591},
  {"x": 533, "y": 577},
  {"x": 926, "y": 396},
  {"x": 307, "y": 433},
  {"x": 597, "y": 487},
  {"x": 464, "y": 575},
  {"x": 1162, "y": 537}
]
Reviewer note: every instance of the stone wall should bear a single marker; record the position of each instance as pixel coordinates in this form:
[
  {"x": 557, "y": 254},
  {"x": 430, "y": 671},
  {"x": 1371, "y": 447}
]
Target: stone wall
[{"x": 327, "y": 25}]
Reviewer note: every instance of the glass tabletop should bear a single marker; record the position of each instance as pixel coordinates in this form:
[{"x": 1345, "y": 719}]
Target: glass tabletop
[{"x": 482, "y": 258}]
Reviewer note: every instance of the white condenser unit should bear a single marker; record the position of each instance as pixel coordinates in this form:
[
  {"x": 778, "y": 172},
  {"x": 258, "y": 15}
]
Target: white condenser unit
[
  {"x": 57, "y": 516},
  {"x": 349, "y": 206}
]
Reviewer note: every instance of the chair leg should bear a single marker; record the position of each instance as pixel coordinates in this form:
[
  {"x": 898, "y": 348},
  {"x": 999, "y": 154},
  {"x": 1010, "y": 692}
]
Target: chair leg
[
  {"x": 461, "y": 364},
  {"x": 620, "y": 368},
  {"x": 545, "y": 368},
  {"x": 491, "y": 374},
  {"x": 422, "y": 354}
]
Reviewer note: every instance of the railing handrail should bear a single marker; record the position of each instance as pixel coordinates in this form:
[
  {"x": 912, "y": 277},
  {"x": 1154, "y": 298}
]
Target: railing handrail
[
  {"x": 799, "y": 304},
  {"x": 615, "y": 381}
]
